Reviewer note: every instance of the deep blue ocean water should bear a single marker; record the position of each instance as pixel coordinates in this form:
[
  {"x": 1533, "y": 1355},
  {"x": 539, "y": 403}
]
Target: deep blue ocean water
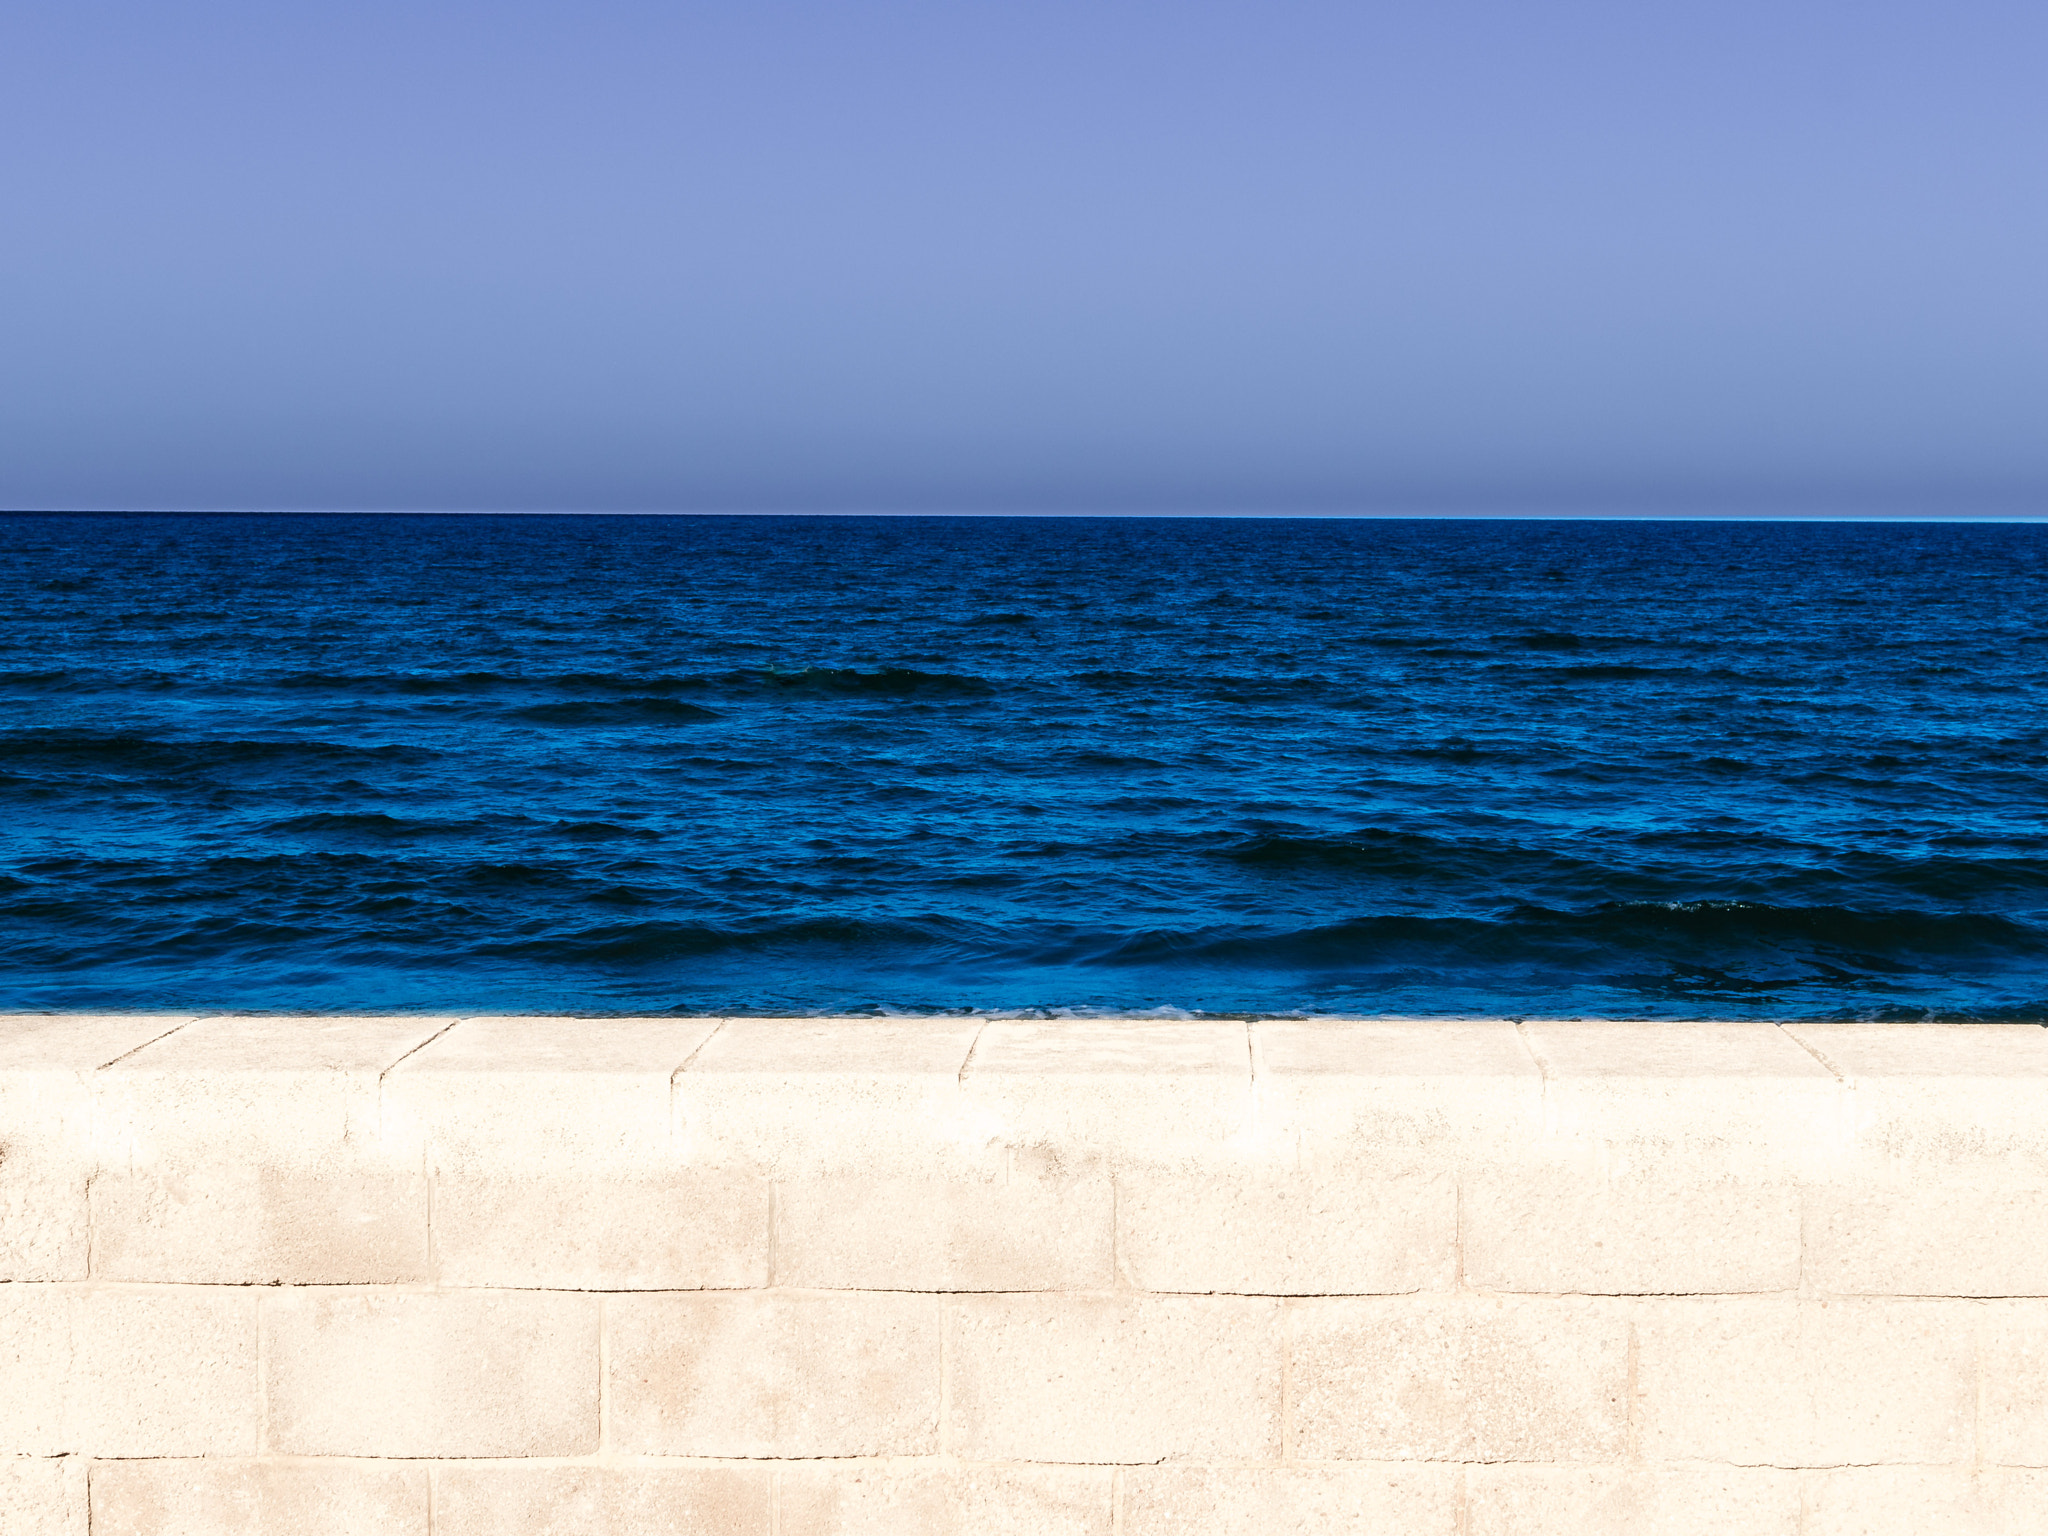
[{"x": 542, "y": 764}]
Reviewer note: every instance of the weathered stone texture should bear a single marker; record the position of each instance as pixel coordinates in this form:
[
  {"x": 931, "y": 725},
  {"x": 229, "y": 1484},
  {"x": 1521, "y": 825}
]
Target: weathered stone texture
[
  {"x": 971, "y": 1277},
  {"x": 774, "y": 1373},
  {"x": 1115, "y": 1379},
  {"x": 1460, "y": 1379},
  {"x": 453, "y": 1374}
]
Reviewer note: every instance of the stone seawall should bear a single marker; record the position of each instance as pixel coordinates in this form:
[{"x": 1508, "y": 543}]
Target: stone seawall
[{"x": 499, "y": 1276}]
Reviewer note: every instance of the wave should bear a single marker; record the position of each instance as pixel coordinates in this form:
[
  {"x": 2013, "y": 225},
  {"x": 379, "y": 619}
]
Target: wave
[
  {"x": 1116, "y": 682},
  {"x": 883, "y": 682},
  {"x": 67, "y": 680},
  {"x": 364, "y": 685},
  {"x": 1744, "y": 868},
  {"x": 635, "y": 943},
  {"x": 1612, "y": 933},
  {"x": 603, "y": 832},
  {"x": 1404, "y": 855},
  {"x": 371, "y": 684},
  {"x": 652, "y": 710},
  {"x": 1109, "y": 760},
  {"x": 387, "y": 828},
  {"x": 1543, "y": 640},
  {"x": 120, "y": 750},
  {"x": 1615, "y": 672},
  {"x": 374, "y": 824},
  {"x": 37, "y": 682},
  {"x": 888, "y": 682}
]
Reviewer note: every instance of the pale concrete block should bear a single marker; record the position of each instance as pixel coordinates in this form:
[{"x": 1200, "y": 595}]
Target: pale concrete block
[
  {"x": 1134, "y": 1092},
  {"x": 870, "y": 1500},
  {"x": 257, "y": 1498},
  {"x": 802, "y": 1097},
  {"x": 1438, "y": 1088},
  {"x": 45, "y": 1228},
  {"x": 1358, "y": 1229},
  {"x": 1406, "y": 1050},
  {"x": 1115, "y": 1378},
  {"x": 1743, "y": 1090},
  {"x": 603, "y": 1230},
  {"x": 1977, "y": 1236},
  {"x": 473, "y": 1500},
  {"x": 1923, "y": 1501},
  {"x": 564, "y": 1047},
  {"x": 2013, "y": 1338},
  {"x": 127, "y": 1372},
  {"x": 450, "y": 1374},
  {"x": 1114, "y": 1048},
  {"x": 1774, "y": 1381},
  {"x": 78, "y": 1042},
  {"x": 866, "y": 1051},
  {"x": 1869, "y": 1052},
  {"x": 1034, "y": 1226},
  {"x": 1943, "y": 1094},
  {"x": 288, "y": 1087},
  {"x": 356, "y": 1046},
  {"x": 1633, "y": 1501},
  {"x": 774, "y": 1374},
  {"x": 47, "y": 1066},
  {"x": 1667, "y": 1228},
  {"x": 229, "y": 1221},
  {"x": 1265, "y": 1501},
  {"x": 39, "y": 1371},
  {"x": 509, "y": 1095},
  {"x": 1459, "y": 1379},
  {"x": 43, "y": 1496}
]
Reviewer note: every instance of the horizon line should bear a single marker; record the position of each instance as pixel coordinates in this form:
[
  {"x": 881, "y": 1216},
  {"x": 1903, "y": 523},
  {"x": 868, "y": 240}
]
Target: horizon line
[{"x": 1212, "y": 515}]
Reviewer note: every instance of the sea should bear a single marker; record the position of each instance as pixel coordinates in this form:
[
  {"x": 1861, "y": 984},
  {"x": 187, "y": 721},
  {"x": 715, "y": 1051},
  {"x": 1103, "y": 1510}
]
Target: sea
[{"x": 923, "y": 764}]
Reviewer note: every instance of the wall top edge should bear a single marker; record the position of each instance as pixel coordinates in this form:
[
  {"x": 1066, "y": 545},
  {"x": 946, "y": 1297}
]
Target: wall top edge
[
  {"x": 41, "y": 1017},
  {"x": 1528, "y": 1053}
]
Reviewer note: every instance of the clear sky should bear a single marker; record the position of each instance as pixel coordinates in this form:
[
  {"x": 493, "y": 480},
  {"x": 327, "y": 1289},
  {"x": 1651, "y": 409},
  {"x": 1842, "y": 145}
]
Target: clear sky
[{"x": 981, "y": 255}]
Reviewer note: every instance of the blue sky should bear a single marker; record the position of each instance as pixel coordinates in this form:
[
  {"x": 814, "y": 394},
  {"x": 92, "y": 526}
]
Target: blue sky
[{"x": 1281, "y": 256}]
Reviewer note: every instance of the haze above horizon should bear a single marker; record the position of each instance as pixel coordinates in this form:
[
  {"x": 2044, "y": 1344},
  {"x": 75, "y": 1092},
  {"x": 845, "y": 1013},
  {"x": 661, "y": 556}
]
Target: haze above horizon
[{"x": 1298, "y": 258}]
